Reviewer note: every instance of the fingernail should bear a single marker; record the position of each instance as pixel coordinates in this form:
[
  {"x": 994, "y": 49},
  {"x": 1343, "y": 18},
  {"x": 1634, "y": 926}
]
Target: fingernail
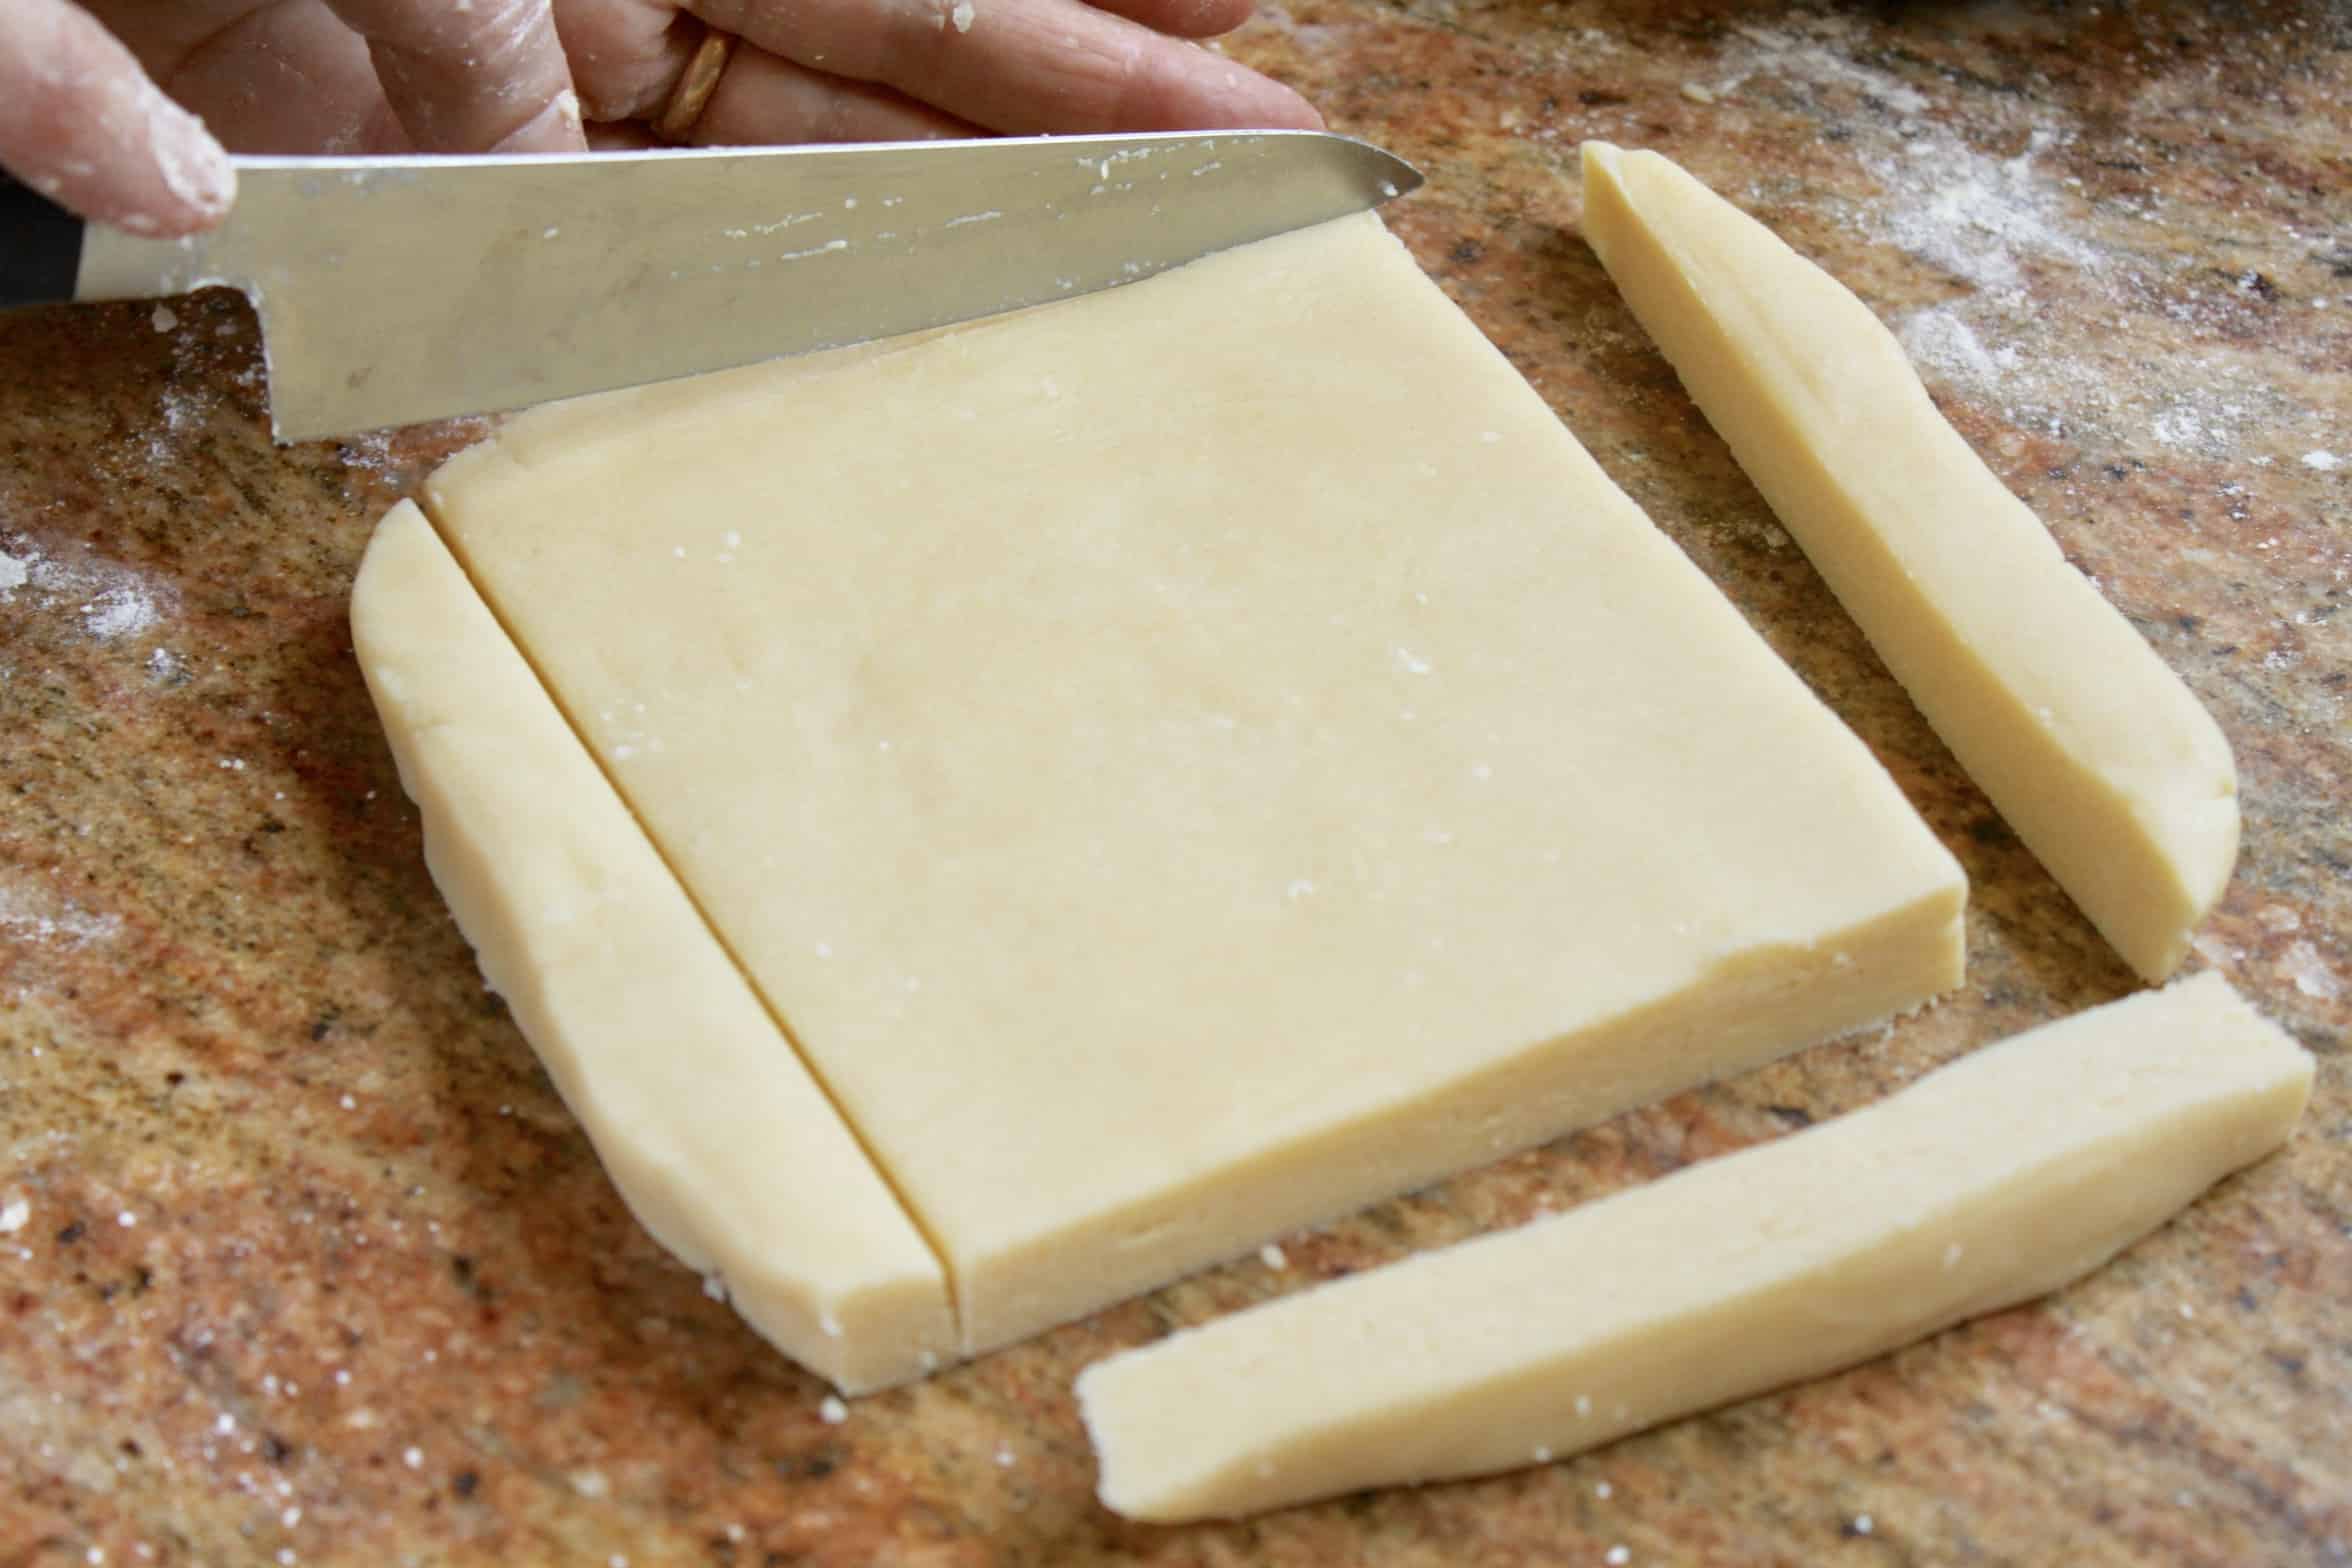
[{"x": 194, "y": 166}]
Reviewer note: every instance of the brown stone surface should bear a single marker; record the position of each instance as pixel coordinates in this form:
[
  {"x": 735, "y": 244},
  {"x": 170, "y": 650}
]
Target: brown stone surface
[{"x": 301, "y": 1260}]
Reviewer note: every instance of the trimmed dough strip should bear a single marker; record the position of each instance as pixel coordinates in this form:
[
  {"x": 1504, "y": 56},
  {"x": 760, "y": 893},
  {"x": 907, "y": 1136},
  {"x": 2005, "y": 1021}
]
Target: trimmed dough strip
[
  {"x": 2095, "y": 752},
  {"x": 723, "y": 1146},
  {"x": 1990, "y": 1182}
]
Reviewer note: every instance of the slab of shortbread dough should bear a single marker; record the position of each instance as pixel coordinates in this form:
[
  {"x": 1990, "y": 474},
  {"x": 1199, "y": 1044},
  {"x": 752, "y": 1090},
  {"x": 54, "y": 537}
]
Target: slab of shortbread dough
[
  {"x": 1190, "y": 761},
  {"x": 711, "y": 1128},
  {"x": 1990, "y": 1182},
  {"x": 2104, "y": 763}
]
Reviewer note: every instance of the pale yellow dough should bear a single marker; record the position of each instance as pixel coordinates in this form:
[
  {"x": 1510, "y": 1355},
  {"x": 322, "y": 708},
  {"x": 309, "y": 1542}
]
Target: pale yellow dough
[
  {"x": 1190, "y": 761},
  {"x": 710, "y": 1127},
  {"x": 1990, "y": 1182},
  {"x": 2099, "y": 757}
]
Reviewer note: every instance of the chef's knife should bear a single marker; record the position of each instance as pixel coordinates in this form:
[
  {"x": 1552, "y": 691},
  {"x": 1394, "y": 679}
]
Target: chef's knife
[{"x": 396, "y": 290}]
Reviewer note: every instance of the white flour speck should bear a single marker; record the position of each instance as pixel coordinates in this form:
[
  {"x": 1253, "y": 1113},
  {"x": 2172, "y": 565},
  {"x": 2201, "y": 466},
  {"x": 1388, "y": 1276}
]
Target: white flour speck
[
  {"x": 118, "y": 612},
  {"x": 1813, "y": 61},
  {"x": 833, "y": 1412},
  {"x": 66, "y": 924},
  {"x": 2323, "y": 462},
  {"x": 1974, "y": 216},
  {"x": 111, "y": 601},
  {"x": 2311, "y": 973},
  {"x": 1940, "y": 339},
  {"x": 13, "y": 1215},
  {"x": 962, "y": 16},
  {"x": 1272, "y": 1256}
]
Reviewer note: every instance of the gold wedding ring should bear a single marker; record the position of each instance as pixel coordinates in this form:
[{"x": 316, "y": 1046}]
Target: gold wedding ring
[{"x": 693, "y": 93}]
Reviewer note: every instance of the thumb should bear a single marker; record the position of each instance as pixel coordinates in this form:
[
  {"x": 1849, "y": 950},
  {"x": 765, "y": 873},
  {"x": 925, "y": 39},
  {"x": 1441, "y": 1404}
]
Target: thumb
[{"x": 81, "y": 123}]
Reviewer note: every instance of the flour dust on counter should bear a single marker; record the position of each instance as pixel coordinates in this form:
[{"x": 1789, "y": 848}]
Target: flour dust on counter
[
  {"x": 1986, "y": 201},
  {"x": 1998, "y": 1179},
  {"x": 1164, "y": 817},
  {"x": 2092, "y": 748},
  {"x": 101, "y": 600}
]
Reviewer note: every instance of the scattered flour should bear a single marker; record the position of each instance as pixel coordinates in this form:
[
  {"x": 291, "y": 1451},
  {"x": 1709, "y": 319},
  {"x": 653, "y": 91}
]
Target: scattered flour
[
  {"x": 1974, "y": 216},
  {"x": 27, "y": 916},
  {"x": 119, "y": 612},
  {"x": 1324, "y": 37},
  {"x": 1810, "y": 59},
  {"x": 2067, "y": 326},
  {"x": 1940, "y": 336},
  {"x": 111, "y": 601},
  {"x": 2311, "y": 973},
  {"x": 2324, "y": 462}
]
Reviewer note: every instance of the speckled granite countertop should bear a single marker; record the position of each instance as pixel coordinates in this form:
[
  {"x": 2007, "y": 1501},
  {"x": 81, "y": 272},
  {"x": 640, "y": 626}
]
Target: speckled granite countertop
[{"x": 302, "y": 1261}]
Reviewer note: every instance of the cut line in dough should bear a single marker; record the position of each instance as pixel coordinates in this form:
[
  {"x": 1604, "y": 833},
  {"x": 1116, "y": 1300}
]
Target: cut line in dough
[{"x": 702, "y": 1113}]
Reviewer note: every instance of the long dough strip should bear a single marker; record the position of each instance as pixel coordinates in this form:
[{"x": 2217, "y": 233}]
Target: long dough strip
[
  {"x": 711, "y": 1128},
  {"x": 2101, "y": 759},
  {"x": 1992, "y": 1181}
]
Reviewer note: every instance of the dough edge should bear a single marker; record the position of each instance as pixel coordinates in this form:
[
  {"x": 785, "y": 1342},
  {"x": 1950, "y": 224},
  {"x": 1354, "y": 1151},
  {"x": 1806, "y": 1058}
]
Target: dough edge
[{"x": 550, "y": 879}]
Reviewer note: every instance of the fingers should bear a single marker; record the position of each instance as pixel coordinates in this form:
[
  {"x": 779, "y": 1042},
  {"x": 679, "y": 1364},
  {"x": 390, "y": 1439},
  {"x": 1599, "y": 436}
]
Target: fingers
[
  {"x": 81, "y": 123},
  {"x": 764, "y": 98},
  {"x": 489, "y": 76},
  {"x": 627, "y": 55},
  {"x": 1020, "y": 66},
  {"x": 279, "y": 79}
]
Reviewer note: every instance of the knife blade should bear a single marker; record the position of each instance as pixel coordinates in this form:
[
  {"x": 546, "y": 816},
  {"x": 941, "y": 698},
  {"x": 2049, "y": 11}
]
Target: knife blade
[{"x": 402, "y": 289}]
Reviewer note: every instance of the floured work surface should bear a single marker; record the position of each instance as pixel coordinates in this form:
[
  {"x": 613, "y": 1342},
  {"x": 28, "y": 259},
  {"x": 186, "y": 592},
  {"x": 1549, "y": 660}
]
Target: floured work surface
[{"x": 1193, "y": 760}]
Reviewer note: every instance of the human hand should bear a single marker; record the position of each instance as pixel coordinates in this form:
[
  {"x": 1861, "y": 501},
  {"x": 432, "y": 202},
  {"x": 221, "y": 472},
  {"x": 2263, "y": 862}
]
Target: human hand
[{"x": 95, "y": 98}]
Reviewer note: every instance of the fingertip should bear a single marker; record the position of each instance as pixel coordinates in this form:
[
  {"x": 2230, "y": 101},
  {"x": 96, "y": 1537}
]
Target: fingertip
[
  {"x": 1246, "y": 100},
  {"x": 1194, "y": 18},
  {"x": 1294, "y": 112},
  {"x": 192, "y": 165},
  {"x": 556, "y": 128},
  {"x": 1183, "y": 18},
  {"x": 169, "y": 177}
]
